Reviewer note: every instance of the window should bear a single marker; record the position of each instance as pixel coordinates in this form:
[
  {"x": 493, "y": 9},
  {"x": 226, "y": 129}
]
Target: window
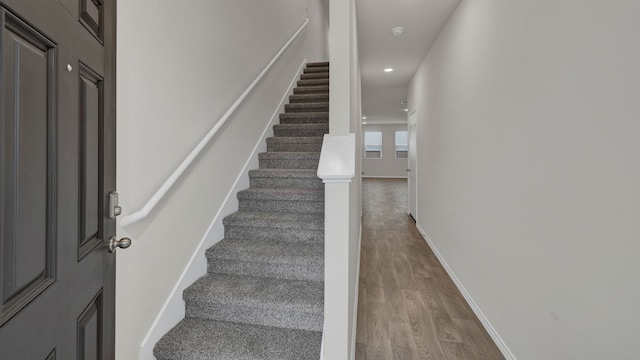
[
  {"x": 402, "y": 144},
  {"x": 372, "y": 145}
]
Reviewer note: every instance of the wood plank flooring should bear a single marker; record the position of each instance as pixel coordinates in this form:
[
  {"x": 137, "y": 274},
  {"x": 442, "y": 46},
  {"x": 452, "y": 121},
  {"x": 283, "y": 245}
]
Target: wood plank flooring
[{"x": 408, "y": 307}]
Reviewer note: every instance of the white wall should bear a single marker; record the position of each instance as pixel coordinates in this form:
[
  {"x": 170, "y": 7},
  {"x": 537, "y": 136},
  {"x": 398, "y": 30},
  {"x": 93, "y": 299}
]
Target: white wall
[
  {"x": 529, "y": 172},
  {"x": 179, "y": 69},
  {"x": 388, "y": 165},
  {"x": 318, "y": 31}
]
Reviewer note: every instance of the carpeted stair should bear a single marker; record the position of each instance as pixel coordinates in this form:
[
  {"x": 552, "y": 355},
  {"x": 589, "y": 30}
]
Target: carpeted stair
[{"x": 262, "y": 297}]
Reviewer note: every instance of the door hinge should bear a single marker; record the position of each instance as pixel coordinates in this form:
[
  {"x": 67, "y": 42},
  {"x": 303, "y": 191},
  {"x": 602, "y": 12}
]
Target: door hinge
[{"x": 114, "y": 207}]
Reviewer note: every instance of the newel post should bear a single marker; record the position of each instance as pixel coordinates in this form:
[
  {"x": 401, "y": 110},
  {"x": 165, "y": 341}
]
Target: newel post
[{"x": 336, "y": 169}]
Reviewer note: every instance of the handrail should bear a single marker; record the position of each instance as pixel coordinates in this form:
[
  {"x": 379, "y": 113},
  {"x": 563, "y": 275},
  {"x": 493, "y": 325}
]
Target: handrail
[{"x": 162, "y": 191}]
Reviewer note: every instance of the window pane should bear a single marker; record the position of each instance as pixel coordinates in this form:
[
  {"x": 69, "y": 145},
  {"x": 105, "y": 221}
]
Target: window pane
[
  {"x": 402, "y": 138},
  {"x": 402, "y": 144},
  {"x": 373, "y": 144}
]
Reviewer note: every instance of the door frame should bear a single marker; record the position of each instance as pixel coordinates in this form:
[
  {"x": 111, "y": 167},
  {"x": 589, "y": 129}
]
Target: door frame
[
  {"x": 413, "y": 172},
  {"x": 109, "y": 166}
]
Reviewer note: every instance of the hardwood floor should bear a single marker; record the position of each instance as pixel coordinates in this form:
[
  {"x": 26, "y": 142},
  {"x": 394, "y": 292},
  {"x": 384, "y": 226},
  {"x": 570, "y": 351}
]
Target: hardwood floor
[{"x": 408, "y": 307}]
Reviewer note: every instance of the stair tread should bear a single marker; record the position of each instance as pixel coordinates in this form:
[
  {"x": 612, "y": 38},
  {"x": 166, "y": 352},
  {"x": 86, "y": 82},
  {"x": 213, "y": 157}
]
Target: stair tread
[
  {"x": 256, "y": 299},
  {"x": 304, "y": 129},
  {"x": 201, "y": 339},
  {"x": 275, "y": 220},
  {"x": 313, "y": 82},
  {"x": 281, "y": 194},
  {"x": 258, "y": 292},
  {"x": 274, "y": 155},
  {"x": 308, "y": 98},
  {"x": 315, "y": 103},
  {"x": 317, "y": 69},
  {"x": 309, "y": 104},
  {"x": 292, "y": 142},
  {"x": 320, "y": 89},
  {"x": 295, "y": 139},
  {"x": 314, "y": 75},
  {"x": 306, "y": 107},
  {"x": 273, "y": 252},
  {"x": 301, "y": 126},
  {"x": 312, "y": 114},
  {"x": 318, "y": 64},
  {"x": 304, "y": 118},
  {"x": 287, "y": 173}
]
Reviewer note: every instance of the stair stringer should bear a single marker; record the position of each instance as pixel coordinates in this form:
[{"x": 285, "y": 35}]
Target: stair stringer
[{"x": 173, "y": 309}]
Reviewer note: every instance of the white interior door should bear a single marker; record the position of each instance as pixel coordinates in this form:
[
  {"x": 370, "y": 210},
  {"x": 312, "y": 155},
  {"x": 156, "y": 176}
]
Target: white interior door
[{"x": 412, "y": 169}]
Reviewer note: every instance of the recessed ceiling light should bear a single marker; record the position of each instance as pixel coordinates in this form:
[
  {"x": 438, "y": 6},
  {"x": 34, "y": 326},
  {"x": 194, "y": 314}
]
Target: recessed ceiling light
[
  {"x": 406, "y": 109},
  {"x": 388, "y": 70},
  {"x": 364, "y": 123},
  {"x": 397, "y": 31},
  {"x": 364, "y": 118}
]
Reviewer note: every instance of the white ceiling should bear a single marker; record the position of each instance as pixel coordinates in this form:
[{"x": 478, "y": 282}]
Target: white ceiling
[{"x": 422, "y": 20}]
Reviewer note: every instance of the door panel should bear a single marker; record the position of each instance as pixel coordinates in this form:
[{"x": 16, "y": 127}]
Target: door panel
[
  {"x": 27, "y": 180},
  {"x": 91, "y": 16},
  {"x": 89, "y": 330},
  {"x": 90, "y": 115},
  {"x": 57, "y": 165}
]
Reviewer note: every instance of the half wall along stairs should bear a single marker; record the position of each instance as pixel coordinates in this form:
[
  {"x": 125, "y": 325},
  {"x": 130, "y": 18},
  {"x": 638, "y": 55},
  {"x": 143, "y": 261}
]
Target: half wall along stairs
[{"x": 263, "y": 295}]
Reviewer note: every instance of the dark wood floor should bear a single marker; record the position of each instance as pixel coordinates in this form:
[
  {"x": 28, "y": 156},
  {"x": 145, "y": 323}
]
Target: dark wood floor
[{"x": 408, "y": 306}]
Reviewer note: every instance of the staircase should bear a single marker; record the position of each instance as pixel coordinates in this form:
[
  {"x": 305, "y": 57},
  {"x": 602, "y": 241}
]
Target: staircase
[{"x": 262, "y": 297}]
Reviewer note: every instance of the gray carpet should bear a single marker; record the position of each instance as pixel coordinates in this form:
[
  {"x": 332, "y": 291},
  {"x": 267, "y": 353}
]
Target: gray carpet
[{"x": 262, "y": 297}]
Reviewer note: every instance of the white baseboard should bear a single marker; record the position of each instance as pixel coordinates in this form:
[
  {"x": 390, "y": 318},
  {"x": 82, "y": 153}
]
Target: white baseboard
[
  {"x": 383, "y": 177},
  {"x": 483, "y": 319},
  {"x": 173, "y": 310}
]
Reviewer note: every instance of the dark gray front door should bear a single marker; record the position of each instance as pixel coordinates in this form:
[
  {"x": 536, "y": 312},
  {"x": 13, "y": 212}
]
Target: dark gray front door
[{"x": 57, "y": 166}]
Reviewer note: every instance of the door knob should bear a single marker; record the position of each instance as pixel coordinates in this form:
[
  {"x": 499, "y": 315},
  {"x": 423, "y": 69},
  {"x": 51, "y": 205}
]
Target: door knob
[{"x": 123, "y": 243}]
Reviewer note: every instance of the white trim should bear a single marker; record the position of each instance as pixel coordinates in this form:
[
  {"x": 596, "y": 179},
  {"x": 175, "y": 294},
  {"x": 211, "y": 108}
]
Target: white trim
[
  {"x": 476, "y": 309},
  {"x": 322, "y": 344},
  {"x": 177, "y": 173},
  {"x": 337, "y": 282},
  {"x": 387, "y": 122},
  {"x": 383, "y": 177},
  {"x": 354, "y": 327},
  {"x": 337, "y": 158},
  {"x": 415, "y": 171},
  {"x": 173, "y": 310}
]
